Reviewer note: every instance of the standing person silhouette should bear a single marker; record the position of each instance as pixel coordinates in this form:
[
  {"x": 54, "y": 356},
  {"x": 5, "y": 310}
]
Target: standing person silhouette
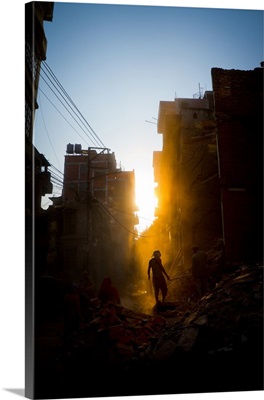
[{"x": 158, "y": 272}]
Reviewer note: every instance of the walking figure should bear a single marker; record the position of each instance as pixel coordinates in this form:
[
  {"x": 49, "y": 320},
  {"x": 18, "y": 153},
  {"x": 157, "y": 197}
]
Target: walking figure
[{"x": 158, "y": 272}]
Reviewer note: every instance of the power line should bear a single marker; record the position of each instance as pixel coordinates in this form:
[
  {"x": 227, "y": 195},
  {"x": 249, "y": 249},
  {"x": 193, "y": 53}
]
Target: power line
[
  {"x": 112, "y": 216},
  {"x": 134, "y": 233},
  {"x": 49, "y": 136},
  {"x": 107, "y": 210},
  {"x": 52, "y": 78},
  {"x": 66, "y": 108},
  {"x": 63, "y": 116},
  {"x": 100, "y": 142},
  {"x": 64, "y": 91},
  {"x": 53, "y": 166},
  {"x": 48, "y": 69},
  {"x": 64, "y": 95}
]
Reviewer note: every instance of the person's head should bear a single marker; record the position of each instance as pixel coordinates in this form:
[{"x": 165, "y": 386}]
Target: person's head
[
  {"x": 90, "y": 281},
  {"x": 106, "y": 282},
  {"x": 156, "y": 254},
  {"x": 72, "y": 288},
  {"x": 195, "y": 248},
  {"x": 85, "y": 275}
]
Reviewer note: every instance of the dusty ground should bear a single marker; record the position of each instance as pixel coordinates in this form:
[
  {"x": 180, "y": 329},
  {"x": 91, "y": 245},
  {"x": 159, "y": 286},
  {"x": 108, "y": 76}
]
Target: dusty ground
[{"x": 183, "y": 346}]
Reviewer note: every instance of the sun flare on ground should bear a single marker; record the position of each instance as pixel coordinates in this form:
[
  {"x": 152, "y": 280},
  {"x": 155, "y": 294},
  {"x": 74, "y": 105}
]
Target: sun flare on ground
[{"x": 146, "y": 202}]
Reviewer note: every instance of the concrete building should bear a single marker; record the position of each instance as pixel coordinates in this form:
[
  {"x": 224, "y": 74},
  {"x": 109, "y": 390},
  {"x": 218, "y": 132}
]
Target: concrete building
[
  {"x": 239, "y": 117},
  {"x": 37, "y": 177},
  {"x": 36, "y": 166},
  {"x": 98, "y": 214},
  {"x": 209, "y": 173},
  {"x": 186, "y": 173}
]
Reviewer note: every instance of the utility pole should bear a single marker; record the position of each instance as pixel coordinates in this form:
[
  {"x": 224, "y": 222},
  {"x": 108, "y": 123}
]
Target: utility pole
[{"x": 90, "y": 199}]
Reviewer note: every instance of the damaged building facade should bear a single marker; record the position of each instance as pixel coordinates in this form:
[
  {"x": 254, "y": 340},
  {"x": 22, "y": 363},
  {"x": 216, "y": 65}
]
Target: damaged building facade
[
  {"x": 238, "y": 97},
  {"x": 97, "y": 215},
  {"x": 37, "y": 177},
  {"x": 186, "y": 173},
  {"x": 209, "y": 172}
]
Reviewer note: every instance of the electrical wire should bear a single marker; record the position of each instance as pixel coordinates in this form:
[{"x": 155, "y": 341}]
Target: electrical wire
[
  {"x": 134, "y": 233},
  {"x": 63, "y": 116},
  {"x": 48, "y": 134},
  {"x": 58, "y": 88},
  {"x": 64, "y": 91},
  {"x": 112, "y": 216},
  {"x": 67, "y": 109}
]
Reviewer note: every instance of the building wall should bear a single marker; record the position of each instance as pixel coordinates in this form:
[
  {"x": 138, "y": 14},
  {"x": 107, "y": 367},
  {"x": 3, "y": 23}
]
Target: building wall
[
  {"x": 99, "y": 204},
  {"x": 201, "y": 212},
  {"x": 37, "y": 177},
  {"x": 239, "y": 115},
  {"x": 35, "y": 52},
  {"x": 36, "y": 182},
  {"x": 187, "y": 175},
  {"x": 87, "y": 172}
]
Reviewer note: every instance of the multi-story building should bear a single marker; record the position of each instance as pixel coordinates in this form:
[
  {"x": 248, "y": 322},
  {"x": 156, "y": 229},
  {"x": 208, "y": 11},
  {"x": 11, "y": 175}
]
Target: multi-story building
[
  {"x": 36, "y": 13},
  {"x": 98, "y": 214},
  {"x": 186, "y": 173},
  {"x": 37, "y": 177},
  {"x": 239, "y": 117},
  {"x": 209, "y": 173}
]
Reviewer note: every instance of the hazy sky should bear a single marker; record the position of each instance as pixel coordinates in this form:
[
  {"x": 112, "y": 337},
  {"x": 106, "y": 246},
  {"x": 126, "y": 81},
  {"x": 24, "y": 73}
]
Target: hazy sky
[{"x": 117, "y": 62}]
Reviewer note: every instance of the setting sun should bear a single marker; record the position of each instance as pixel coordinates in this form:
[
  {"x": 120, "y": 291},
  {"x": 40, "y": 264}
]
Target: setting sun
[{"x": 146, "y": 202}]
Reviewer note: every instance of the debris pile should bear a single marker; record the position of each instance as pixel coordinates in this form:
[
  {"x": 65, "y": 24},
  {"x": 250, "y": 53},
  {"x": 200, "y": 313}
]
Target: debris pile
[
  {"x": 218, "y": 344},
  {"x": 213, "y": 344}
]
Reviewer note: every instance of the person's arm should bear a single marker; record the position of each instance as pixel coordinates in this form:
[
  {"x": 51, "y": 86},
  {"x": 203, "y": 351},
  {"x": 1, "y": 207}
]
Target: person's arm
[
  {"x": 167, "y": 276},
  {"x": 165, "y": 273}
]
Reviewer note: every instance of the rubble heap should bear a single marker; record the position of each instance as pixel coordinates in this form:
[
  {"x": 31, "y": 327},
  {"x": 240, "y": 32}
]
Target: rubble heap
[{"x": 211, "y": 345}]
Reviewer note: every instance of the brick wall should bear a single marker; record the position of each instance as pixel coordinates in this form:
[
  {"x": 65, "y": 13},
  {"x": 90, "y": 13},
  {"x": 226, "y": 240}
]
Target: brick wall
[{"x": 239, "y": 116}]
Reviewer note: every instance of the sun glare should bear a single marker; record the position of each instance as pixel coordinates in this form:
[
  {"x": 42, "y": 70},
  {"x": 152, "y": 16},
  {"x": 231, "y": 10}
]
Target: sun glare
[{"x": 146, "y": 202}]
